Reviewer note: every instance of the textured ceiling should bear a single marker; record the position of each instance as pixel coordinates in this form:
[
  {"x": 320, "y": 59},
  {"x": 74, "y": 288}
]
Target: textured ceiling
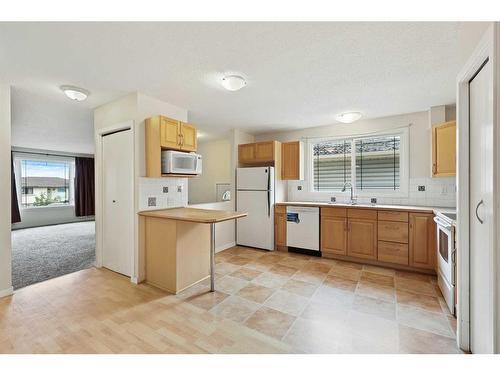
[{"x": 299, "y": 74}]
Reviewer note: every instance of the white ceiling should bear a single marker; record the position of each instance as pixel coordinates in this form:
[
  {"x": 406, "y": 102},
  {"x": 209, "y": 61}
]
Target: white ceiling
[{"x": 299, "y": 74}]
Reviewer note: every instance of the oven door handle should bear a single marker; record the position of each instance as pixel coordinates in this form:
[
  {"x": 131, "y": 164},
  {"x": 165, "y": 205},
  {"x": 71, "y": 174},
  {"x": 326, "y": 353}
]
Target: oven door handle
[
  {"x": 441, "y": 223},
  {"x": 477, "y": 208}
]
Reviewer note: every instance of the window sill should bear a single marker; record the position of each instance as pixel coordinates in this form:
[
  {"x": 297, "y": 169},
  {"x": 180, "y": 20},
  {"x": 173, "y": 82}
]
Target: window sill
[{"x": 51, "y": 207}]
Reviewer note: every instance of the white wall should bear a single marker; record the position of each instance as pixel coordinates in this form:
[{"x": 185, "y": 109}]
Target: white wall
[
  {"x": 439, "y": 191},
  {"x": 216, "y": 169},
  {"x": 5, "y": 192}
]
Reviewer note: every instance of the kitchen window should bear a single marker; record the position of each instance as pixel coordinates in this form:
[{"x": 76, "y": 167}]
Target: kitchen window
[
  {"x": 372, "y": 164},
  {"x": 44, "y": 181}
]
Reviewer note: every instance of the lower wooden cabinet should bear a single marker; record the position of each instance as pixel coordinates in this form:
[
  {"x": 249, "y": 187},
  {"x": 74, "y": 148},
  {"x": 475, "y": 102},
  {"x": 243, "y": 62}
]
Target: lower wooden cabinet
[
  {"x": 362, "y": 238},
  {"x": 280, "y": 226},
  {"x": 333, "y": 235},
  {"x": 422, "y": 241},
  {"x": 393, "y": 252}
]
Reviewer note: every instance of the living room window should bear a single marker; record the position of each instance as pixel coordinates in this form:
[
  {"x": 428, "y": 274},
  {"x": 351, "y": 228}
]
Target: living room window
[{"x": 372, "y": 164}]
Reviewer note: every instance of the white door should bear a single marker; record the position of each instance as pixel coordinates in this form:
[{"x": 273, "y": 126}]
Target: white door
[
  {"x": 255, "y": 178},
  {"x": 481, "y": 209},
  {"x": 256, "y": 229},
  {"x": 118, "y": 202}
]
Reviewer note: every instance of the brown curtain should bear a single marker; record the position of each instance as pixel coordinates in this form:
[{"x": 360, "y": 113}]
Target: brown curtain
[
  {"x": 84, "y": 187},
  {"x": 15, "y": 215}
]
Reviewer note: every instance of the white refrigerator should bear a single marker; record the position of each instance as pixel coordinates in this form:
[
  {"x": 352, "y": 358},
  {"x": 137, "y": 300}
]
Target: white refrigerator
[{"x": 256, "y": 194}]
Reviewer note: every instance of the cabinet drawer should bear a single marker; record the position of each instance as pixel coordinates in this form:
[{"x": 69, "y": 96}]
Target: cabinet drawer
[
  {"x": 334, "y": 211},
  {"x": 280, "y": 209},
  {"x": 392, "y": 252},
  {"x": 358, "y": 213},
  {"x": 394, "y": 231},
  {"x": 393, "y": 216}
]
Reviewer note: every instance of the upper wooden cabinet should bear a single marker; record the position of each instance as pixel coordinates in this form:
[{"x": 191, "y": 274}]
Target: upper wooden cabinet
[
  {"x": 422, "y": 241},
  {"x": 260, "y": 153},
  {"x": 166, "y": 133},
  {"x": 291, "y": 159},
  {"x": 444, "y": 149}
]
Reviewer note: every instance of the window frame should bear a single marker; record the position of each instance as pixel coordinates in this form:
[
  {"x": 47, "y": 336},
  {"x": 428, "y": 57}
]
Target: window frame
[
  {"x": 19, "y": 156},
  {"x": 404, "y": 156}
]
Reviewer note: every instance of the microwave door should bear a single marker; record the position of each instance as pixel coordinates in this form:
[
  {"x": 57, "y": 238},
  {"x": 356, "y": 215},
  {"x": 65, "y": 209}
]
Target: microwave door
[{"x": 183, "y": 163}]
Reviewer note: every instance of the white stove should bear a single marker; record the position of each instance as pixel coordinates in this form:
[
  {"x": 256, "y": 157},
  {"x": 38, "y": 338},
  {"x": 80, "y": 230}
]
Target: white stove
[{"x": 446, "y": 254}]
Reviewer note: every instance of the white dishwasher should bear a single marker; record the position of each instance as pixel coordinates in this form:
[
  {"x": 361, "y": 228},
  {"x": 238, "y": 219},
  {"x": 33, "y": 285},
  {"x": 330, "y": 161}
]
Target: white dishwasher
[{"x": 302, "y": 229}]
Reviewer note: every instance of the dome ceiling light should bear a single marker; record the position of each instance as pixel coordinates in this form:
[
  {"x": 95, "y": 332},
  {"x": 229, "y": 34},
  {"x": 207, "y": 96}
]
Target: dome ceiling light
[
  {"x": 348, "y": 117},
  {"x": 233, "y": 82},
  {"x": 75, "y": 93}
]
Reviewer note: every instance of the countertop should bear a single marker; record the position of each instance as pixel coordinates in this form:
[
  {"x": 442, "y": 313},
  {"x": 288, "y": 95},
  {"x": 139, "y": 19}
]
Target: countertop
[
  {"x": 370, "y": 206},
  {"x": 195, "y": 215}
]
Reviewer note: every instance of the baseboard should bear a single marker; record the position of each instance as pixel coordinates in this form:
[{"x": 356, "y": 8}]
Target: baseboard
[
  {"x": 6, "y": 292},
  {"x": 225, "y": 246}
]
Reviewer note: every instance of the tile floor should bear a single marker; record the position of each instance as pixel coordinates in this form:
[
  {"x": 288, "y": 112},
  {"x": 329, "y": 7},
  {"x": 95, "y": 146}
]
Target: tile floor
[{"x": 317, "y": 305}]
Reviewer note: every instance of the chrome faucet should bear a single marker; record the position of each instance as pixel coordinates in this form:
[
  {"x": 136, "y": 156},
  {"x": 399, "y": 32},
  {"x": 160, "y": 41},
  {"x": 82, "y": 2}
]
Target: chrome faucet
[{"x": 348, "y": 184}]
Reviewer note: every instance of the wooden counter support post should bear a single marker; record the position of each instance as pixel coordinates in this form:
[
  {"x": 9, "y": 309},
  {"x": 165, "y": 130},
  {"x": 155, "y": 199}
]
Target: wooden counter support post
[{"x": 212, "y": 257}]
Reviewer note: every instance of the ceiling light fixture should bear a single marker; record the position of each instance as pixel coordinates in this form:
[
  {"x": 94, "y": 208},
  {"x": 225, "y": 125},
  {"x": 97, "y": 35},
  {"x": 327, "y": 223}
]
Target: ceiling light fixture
[
  {"x": 75, "y": 93},
  {"x": 233, "y": 82},
  {"x": 348, "y": 117}
]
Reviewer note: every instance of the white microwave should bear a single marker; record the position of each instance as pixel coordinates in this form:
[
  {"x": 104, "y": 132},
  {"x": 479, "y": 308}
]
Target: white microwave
[{"x": 180, "y": 162}]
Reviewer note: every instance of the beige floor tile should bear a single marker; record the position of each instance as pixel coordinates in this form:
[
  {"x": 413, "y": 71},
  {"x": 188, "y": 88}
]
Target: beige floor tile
[
  {"x": 230, "y": 285},
  {"x": 255, "y": 293},
  {"x": 294, "y": 262},
  {"x": 379, "y": 270},
  {"x": 346, "y": 264},
  {"x": 424, "y": 320},
  {"x": 235, "y": 308},
  {"x": 378, "y": 291},
  {"x": 334, "y": 315},
  {"x": 346, "y": 272},
  {"x": 453, "y": 324},
  {"x": 417, "y": 286},
  {"x": 207, "y": 300},
  {"x": 259, "y": 266},
  {"x": 377, "y": 278},
  {"x": 225, "y": 268},
  {"x": 270, "y": 322},
  {"x": 413, "y": 340},
  {"x": 287, "y": 302},
  {"x": 373, "y": 306},
  {"x": 333, "y": 296},
  {"x": 281, "y": 270},
  {"x": 270, "y": 280},
  {"x": 313, "y": 277},
  {"x": 340, "y": 283},
  {"x": 300, "y": 288},
  {"x": 422, "y": 301},
  {"x": 317, "y": 267},
  {"x": 311, "y": 336},
  {"x": 415, "y": 276},
  {"x": 238, "y": 260},
  {"x": 246, "y": 273}
]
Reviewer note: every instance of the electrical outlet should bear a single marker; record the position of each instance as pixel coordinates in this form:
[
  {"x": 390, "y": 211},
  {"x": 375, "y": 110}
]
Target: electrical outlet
[
  {"x": 299, "y": 187},
  {"x": 165, "y": 189},
  {"x": 373, "y": 200},
  {"x": 333, "y": 199},
  {"x": 421, "y": 187},
  {"x": 179, "y": 188},
  {"x": 151, "y": 201}
]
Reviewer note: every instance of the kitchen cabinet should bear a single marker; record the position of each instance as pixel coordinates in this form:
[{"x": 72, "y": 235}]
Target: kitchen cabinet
[
  {"x": 291, "y": 157},
  {"x": 422, "y": 241},
  {"x": 163, "y": 133},
  {"x": 260, "y": 153},
  {"x": 362, "y": 238},
  {"x": 246, "y": 153},
  {"x": 393, "y": 252},
  {"x": 333, "y": 235},
  {"x": 280, "y": 227},
  {"x": 444, "y": 149}
]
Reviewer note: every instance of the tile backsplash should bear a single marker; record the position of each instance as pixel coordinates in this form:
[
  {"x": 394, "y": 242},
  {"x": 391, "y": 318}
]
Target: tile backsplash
[
  {"x": 434, "y": 192},
  {"x": 160, "y": 193}
]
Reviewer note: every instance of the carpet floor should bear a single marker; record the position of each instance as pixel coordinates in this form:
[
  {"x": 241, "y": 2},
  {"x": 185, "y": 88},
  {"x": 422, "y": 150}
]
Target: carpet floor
[{"x": 43, "y": 253}]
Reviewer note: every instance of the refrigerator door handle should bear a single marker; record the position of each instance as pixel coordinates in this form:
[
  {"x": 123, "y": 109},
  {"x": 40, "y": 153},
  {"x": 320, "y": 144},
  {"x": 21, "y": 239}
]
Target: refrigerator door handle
[{"x": 269, "y": 203}]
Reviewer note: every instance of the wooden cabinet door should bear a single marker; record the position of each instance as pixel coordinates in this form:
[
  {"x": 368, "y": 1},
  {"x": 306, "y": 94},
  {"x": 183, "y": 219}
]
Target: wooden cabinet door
[
  {"x": 362, "y": 238},
  {"x": 444, "y": 149},
  {"x": 188, "y": 137},
  {"x": 280, "y": 229},
  {"x": 246, "y": 153},
  {"x": 291, "y": 161},
  {"x": 169, "y": 133},
  {"x": 264, "y": 151},
  {"x": 422, "y": 241},
  {"x": 333, "y": 235}
]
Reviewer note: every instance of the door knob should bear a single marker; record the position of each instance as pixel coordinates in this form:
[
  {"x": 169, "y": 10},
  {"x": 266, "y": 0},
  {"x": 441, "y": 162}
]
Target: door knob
[
  {"x": 114, "y": 201},
  {"x": 477, "y": 208}
]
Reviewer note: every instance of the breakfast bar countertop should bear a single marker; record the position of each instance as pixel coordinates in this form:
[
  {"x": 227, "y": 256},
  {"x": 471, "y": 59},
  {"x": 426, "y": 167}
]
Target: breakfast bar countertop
[{"x": 195, "y": 215}]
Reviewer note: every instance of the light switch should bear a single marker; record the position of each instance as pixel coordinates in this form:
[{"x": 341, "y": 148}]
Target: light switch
[
  {"x": 151, "y": 201},
  {"x": 179, "y": 188},
  {"x": 165, "y": 189}
]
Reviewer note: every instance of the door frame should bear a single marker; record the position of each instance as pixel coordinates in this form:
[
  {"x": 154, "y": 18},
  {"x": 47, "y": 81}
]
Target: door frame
[
  {"x": 486, "y": 49},
  {"x": 99, "y": 206}
]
